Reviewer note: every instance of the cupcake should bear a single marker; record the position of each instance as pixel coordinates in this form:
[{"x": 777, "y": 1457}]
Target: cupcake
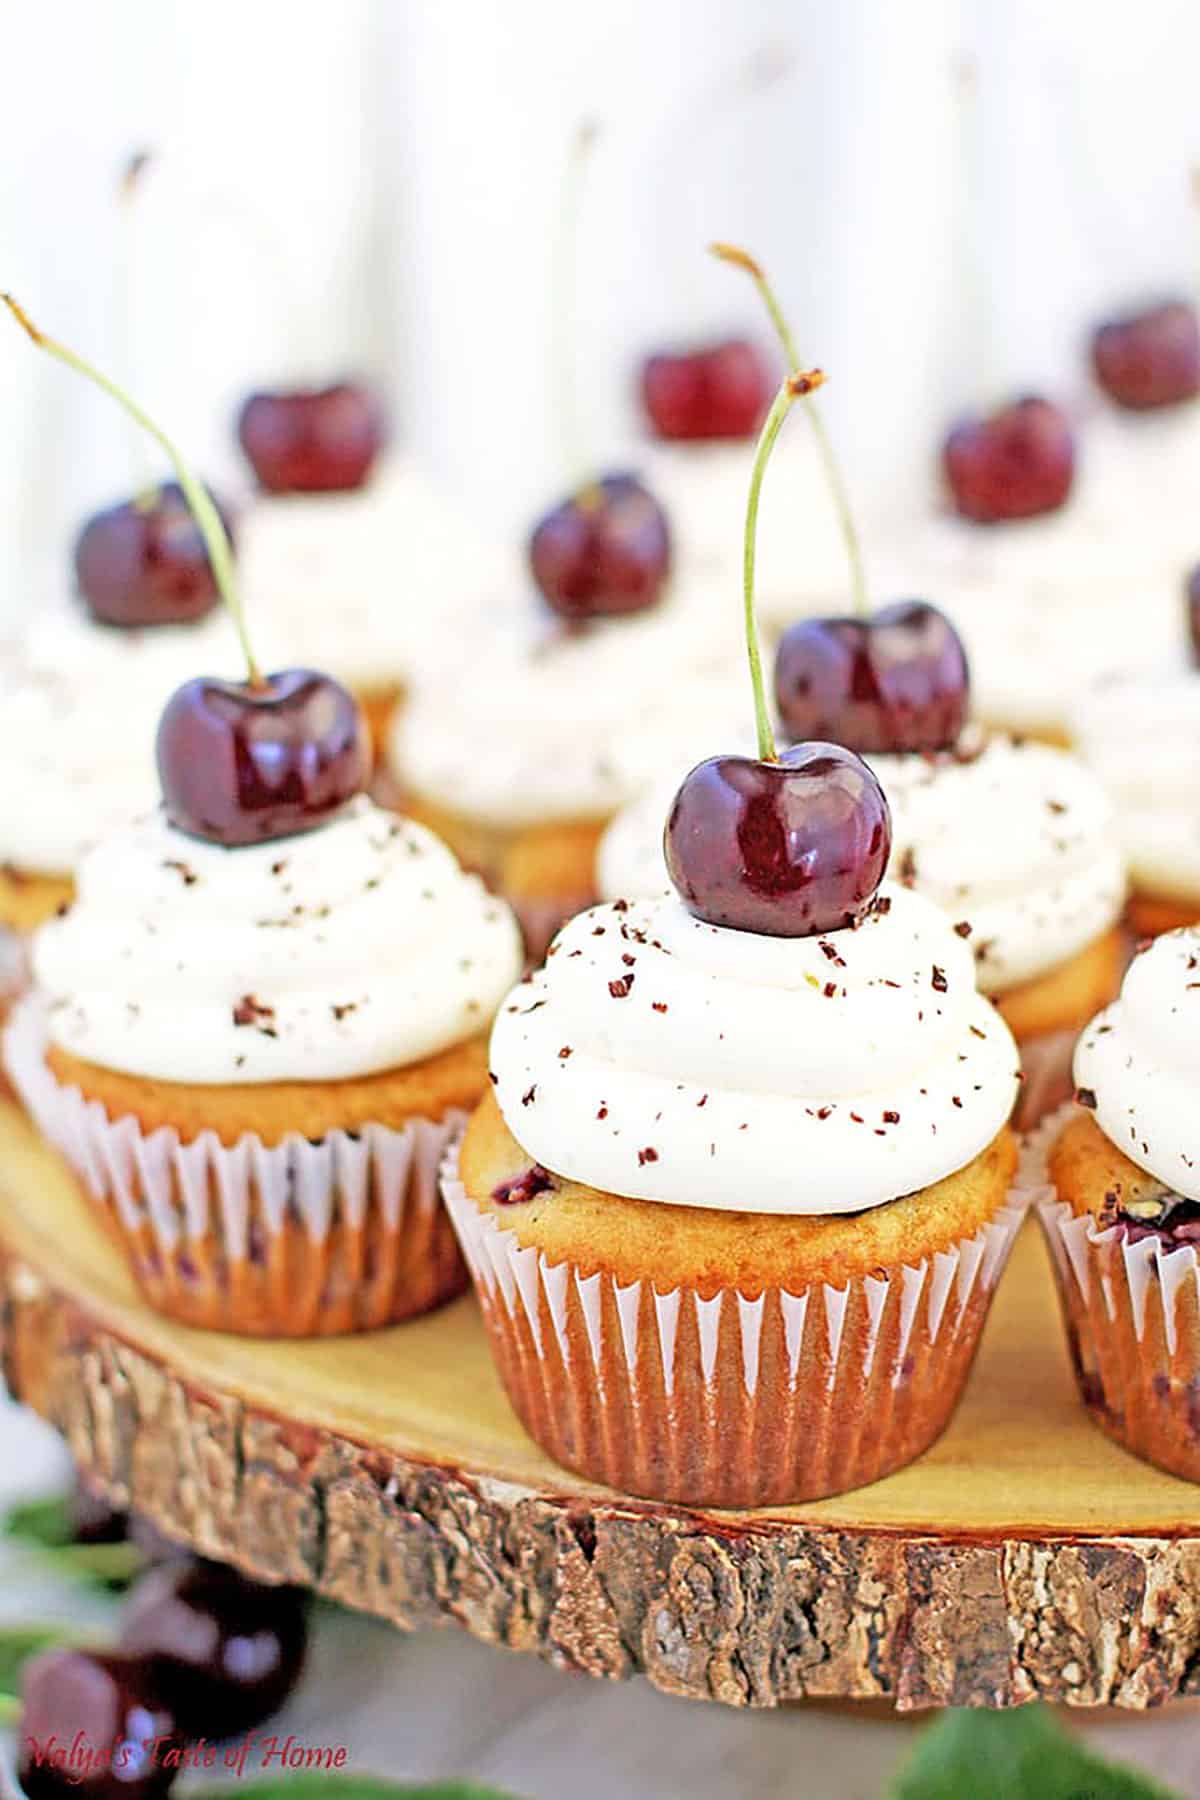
[
  {"x": 1141, "y": 733},
  {"x": 1015, "y": 842},
  {"x": 520, "y": 750},
  {"x": 736, "y": 1204},
  {"x": 258, "y": 1024},
  {"x": 1123, "y": 1218},
  {"x": 254, "y": 1057},
  {"x": 740, "y": 1189}
]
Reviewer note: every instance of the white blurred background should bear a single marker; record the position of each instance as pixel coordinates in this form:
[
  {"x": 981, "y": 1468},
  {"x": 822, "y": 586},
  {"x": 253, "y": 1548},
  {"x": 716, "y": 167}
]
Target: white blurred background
[{"x": 374, "y": 185}]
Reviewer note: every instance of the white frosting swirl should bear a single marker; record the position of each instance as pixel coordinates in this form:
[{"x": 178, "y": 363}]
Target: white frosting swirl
[
  {"x": 1142, "y": 737},
  {"x": 369, "y": 585},
  {"x": 1016, "y": 841},
  {"x": 665, "y": 1059},
  {"x": 355, "y": 947},
  {"x": 79, "y": 711},
  {"x": 1139, "y": 1058}
]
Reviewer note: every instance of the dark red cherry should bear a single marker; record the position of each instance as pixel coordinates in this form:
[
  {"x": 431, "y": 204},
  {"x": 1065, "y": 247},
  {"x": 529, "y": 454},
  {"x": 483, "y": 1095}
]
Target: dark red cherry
[
  {"x": 895, "y": 681},
  {"x": 239, "y": 764},
  {"x": 1014, "y": 464},
  {"x": 1150, "y": 358},
  {"x": 143, "y": 562},
  {"x": 96, "y": 1725},
  {"x": 93, "y": 1520},
  {"x": 602, "y": 551},
  {"x": 715, "y": 392},
  {"x": 312, "y": 440},
  {"x": 787, "y": 849},
  {"x": 227, "y": 1652}
]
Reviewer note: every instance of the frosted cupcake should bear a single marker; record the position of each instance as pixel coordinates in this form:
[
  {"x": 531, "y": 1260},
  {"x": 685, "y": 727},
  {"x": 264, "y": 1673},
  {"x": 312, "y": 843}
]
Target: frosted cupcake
[
  {"x": 251, "y": 1084},
  {"x": 739, "y": 1192},
  {"x": 520, "y": 750},
  {"x": 1016, "y": 843},
  {"x": 1124, "y": 1219},
  {"x": 254, "y": 1057},
  {"x": 1141, "y": 735}
]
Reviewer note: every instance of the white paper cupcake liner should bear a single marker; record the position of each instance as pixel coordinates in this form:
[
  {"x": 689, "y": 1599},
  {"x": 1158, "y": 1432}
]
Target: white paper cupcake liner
[
  {"x": 725, "y": 1398},
  {"x": 1132, "y": 1317},
  {"x": 297, "y": 1238}
]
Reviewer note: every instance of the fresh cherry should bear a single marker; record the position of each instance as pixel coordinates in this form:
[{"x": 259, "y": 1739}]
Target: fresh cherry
[
  {"x": 788, "y": 848},
  {"x": 240, "y": 762},
  {"x": 143, "y": 562},
  {"x": 107, "y": 1707},
  {"x": 1149, "y": 358},
  {"x": 718, "y": 391},
  {"x": 312, "y": 440},
  {"x": 894, "y": 681},
  {"x": 604, "y": 550},
  {"x": 227, "y": 1652},
  {"x": 1014, "y": 464}
]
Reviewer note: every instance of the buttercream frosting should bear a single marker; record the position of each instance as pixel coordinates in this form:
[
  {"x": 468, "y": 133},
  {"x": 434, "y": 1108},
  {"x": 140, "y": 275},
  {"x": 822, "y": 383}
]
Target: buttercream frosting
[
  {"x": 665, "y": 1059},
  {"x": 355, "y": 947}
]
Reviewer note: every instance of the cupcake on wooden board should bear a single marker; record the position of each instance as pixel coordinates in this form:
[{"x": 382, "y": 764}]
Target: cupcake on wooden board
[
  {"x": 740, "y": 1191},
  {"x": 262, "y": 1019},
  {"x": 1153, "y": 790},
  {"x": 350, "y": 556},
  {"x": 1123, "y": 1220}
]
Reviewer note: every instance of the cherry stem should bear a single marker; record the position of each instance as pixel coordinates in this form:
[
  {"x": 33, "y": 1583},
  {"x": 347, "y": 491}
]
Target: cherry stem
[
  {"x": 208, "y": 519},
  {"x": 833, "y": 474},
  {"x": 565, "y": 253},
  {"x": 797, "y": 386}
]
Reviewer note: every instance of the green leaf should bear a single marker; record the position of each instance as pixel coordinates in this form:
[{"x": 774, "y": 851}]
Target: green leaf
[
  {"x": 19, "y": 1642},
  {"x": 1020, "y": 1755},
  {"x": 46, "y": 1521},
  {"x": 45, "y": 1525},
  {"x": 353, "y": 1787}
]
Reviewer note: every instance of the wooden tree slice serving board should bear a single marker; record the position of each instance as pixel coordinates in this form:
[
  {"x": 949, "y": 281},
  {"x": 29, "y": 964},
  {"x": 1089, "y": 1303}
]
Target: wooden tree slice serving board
[{"x": 1024, "y": 1555}]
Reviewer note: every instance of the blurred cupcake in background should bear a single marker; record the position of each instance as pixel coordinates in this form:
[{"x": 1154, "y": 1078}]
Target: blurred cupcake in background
[
  {"x": 351, "y": 557},
  {"x": 1140, "y": 733}
]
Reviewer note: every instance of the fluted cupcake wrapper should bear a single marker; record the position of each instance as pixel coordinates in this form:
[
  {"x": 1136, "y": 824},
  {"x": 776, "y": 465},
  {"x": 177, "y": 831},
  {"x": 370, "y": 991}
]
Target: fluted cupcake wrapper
[
  {"x": 723, "y": 1398},
  {"x": 295, "y": 1239},
  {"x": 1132, "y": 1316}
]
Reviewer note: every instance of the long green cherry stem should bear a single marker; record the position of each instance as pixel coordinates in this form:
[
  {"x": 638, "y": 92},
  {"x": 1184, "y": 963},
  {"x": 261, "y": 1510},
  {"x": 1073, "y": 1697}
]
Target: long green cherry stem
[
  {"x": 741, "y": 259},
  {"x": 797, "y": 386},
  {"x": 208, "y": 519}
]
